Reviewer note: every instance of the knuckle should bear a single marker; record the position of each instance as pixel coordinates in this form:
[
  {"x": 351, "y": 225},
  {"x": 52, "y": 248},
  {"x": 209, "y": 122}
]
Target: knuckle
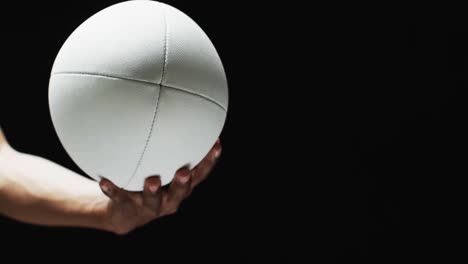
[
  {"x": 153, "y": 209},
  {"x": 139, "y": 201}
]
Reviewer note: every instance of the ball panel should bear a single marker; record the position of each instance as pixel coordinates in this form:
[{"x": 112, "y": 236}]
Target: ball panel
[
  {"x": 185, "y": 129},
  {"x": 192, "y": 60},
  {"x": 102, "y": 122},
  {"x": 106, "y": 103},
  {"x": 126, "y": 39}
]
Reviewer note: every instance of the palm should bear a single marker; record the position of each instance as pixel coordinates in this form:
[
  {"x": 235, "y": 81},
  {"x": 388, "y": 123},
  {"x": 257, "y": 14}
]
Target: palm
[
  {"x": 126, "y": 215},
  {"x": 128, "y": 210}
]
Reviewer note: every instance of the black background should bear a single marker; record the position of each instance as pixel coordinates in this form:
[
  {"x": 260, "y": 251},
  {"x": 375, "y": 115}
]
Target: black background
[{"x": 343, "y": 139}]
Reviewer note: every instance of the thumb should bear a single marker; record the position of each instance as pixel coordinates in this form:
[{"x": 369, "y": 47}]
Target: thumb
[{"x": 112, "y": 191}]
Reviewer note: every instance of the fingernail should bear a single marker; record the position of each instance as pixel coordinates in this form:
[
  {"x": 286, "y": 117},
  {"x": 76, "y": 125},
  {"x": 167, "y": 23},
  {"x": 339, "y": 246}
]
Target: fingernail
[
  {"x": 106, "y": 188},
  {"x": 217, "y": 153},
  {"x": 184, "y": 178},
  {"x": 153, "y": 188}
]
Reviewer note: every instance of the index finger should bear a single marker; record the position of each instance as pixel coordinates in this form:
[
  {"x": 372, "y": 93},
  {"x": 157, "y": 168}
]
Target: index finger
[{"x": 203, "y": 169}]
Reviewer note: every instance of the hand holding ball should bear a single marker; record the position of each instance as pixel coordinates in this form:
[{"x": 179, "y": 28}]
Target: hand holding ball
[{"x": 137, "y": 90}]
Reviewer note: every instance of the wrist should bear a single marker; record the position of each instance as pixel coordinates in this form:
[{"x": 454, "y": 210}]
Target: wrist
[{"x": 99, "y": 210}]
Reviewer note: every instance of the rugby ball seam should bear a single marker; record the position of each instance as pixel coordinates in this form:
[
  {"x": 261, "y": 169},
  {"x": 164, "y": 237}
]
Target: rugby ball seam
[
  {"x": 164, "y": 64},
  {"x": 117, "y": 76},
  {"x": 155, "y": 107}
]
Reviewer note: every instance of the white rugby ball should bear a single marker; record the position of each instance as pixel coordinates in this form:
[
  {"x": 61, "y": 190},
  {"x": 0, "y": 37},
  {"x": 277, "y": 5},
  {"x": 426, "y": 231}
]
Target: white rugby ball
[{"x": 137, "y": 90}]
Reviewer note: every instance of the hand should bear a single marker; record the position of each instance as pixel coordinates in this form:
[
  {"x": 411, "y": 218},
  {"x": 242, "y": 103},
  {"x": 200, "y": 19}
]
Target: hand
[{"x": 128, "y": 210}]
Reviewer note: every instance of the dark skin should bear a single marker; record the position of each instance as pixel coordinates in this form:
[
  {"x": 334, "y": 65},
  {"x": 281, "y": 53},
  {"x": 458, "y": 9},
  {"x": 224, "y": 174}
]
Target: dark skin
[{"x": 155, "y": 201}]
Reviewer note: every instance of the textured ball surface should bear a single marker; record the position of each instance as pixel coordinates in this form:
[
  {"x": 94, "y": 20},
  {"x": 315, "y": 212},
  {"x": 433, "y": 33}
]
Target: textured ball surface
[{"x": 137, "y": 90}]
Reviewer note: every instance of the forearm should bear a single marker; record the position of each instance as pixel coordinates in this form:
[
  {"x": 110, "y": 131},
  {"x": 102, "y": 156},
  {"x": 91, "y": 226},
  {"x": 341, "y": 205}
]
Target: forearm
[{"x": 35, "y": 190}]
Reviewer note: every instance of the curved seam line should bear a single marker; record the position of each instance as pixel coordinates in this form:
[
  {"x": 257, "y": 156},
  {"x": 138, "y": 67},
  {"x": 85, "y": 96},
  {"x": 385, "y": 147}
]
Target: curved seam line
[
  {"x": 166, "y": 37},
  {"x": 103, "y": 74},
  {"x": 141, "y": 81},
  {"x": 150, "y": 133},
  {"x": 196, "y": 94}
]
